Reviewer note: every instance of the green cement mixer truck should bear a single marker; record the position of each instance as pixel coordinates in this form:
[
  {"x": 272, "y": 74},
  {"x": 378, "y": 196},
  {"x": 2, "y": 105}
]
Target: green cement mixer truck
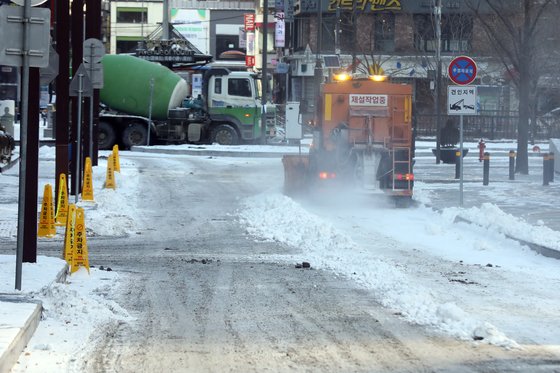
[{"x": 228, "y": 112}]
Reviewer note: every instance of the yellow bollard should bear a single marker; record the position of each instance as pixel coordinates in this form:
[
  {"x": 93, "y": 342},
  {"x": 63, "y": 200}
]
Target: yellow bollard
[
  {"x": 46, "y": 221},
  {"x": 80, "y": 255},
  {"x": 87, "y": 187},
  {"x": 62, "y": 202},
  {"x": 68, "y": 250},
  {"x": 116, "y": 160},
  {"x": 110, "y": 179}
]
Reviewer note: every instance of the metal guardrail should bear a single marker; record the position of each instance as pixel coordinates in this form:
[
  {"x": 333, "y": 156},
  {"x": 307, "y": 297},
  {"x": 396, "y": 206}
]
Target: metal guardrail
[{"x": 489, "y": 126}]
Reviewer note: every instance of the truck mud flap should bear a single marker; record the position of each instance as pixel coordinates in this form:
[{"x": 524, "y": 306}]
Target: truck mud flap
[{"x": 296, "y": 173}]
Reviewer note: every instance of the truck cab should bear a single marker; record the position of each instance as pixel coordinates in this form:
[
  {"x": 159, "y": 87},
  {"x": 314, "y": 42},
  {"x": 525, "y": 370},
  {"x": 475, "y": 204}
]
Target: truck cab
[{"x": 233, "y": 104}]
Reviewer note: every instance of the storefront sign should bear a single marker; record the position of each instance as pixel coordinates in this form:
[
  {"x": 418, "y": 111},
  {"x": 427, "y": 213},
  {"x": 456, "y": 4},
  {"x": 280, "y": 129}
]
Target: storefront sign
[{"x": 249, "y": 61}]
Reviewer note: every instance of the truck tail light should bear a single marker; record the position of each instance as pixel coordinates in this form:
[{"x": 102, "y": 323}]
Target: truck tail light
[
  {"x": 327, "y": 175},
  {"x": 405, "y": 177}
]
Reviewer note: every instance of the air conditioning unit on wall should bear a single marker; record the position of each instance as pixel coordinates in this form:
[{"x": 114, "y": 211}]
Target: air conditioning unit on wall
[{"x": 303, "y": 68}]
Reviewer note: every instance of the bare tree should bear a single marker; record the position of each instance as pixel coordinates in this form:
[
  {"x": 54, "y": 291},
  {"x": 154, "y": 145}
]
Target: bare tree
[{"x": 515, "y": 31}]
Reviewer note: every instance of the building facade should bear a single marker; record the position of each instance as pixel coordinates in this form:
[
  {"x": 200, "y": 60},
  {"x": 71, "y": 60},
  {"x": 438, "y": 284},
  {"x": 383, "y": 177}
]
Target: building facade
[{"x": 211, "y": 26}]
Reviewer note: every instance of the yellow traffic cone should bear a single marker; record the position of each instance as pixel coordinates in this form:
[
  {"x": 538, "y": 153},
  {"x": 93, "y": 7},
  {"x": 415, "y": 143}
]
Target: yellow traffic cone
[
  {"x": 80, "y": 255},
  {"x": 46, "y": 221},
  {"x": 68, "y": 250},
  {"x": 110, "y": 179},
  {"x": 62, "y": 201},
  {"x": 87, "y": 187},
  {"x": 116, "y": 160}
]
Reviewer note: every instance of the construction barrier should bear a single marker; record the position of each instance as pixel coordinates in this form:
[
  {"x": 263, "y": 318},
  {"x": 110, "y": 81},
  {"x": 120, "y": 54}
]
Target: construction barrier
[
  {"x": 87, "y": 186},
  {"x": 62, "y": 201},
  {"x": 80, "y": 254},
  {"x": 116, "y": 160},
  {"x": 69, "y": 235},
  {"x": 110, "y": 179},
  {"x": 47, "y": 227}
]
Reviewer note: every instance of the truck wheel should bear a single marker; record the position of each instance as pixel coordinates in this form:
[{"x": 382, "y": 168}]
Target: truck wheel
[
  {"x": 224, "y": 134},
  {"x": 105, "y": 136},
  {"x": 135, "y": 134}
]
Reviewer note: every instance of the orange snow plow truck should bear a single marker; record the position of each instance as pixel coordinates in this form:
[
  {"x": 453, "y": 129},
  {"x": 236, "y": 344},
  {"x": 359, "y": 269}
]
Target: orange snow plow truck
[{"x": 362, "y": 135}]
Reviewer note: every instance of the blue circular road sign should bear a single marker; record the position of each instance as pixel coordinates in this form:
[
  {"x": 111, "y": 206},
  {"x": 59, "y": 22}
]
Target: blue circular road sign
[{"x": 462, "y": 70}]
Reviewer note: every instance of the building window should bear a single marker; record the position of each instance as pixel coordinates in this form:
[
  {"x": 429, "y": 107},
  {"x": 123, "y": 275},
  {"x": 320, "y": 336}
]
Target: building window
[
  {"x": 384, "y": 32},
  {"x": 132, "y": 15},
  {"x": 456, "y": 33},
  {"x": 127, "y": 44},
  {"x": 239, "y": 87}
]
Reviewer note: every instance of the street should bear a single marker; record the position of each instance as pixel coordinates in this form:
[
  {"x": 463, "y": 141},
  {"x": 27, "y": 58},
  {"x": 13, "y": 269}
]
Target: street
[{"x": 208, "y": 295}]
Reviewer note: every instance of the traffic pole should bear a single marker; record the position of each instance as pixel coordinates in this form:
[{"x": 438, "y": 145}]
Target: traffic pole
[
  {"x": 486, "y": 169},
  {"x": 512, "y": 165}
]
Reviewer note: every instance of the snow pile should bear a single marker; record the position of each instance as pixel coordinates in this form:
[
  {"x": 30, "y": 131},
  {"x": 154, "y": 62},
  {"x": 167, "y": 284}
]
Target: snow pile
[
  {"x": 489, "y": 215},
  {"x": 71, "y": 311},
  {"x": 276, "y": 217}
]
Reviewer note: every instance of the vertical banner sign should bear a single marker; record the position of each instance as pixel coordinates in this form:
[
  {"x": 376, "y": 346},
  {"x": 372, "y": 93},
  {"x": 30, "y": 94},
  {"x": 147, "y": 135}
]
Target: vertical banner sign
[
  {"x": 87, "y": 186},
  {"x": 46, "y": 222},
  {"x": 110, "y": 178},
  {"x": 250, "y": 43},
  {"x": 116, "y": 160},
  {"x": 68, "y": 251},
  {"x": 280, "y": 31},
  {"x": 242, "y": 38},
  {"x": 62, "y": 201},
  {"x": 80, "y": 256},
  {"x": 249, "y": 21},
  {"x": 250, "y": 55}
]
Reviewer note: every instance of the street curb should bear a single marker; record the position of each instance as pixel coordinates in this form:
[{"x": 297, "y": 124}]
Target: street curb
[
  {"x": 543, "y": 250},
  {"x": 211, "y": 153},
  {"x": 11, "y": 355}
]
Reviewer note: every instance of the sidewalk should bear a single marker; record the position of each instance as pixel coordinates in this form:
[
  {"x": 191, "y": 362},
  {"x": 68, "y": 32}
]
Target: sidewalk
[{"x": 19, "y": 316}]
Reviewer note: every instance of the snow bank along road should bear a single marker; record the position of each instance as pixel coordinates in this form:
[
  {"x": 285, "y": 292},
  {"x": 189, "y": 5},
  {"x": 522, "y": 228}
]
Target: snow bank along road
[{"x": 208, "y": 249}]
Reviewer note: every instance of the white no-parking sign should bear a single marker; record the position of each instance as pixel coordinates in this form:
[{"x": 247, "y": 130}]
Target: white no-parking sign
[{"x": 461, "y": 100}]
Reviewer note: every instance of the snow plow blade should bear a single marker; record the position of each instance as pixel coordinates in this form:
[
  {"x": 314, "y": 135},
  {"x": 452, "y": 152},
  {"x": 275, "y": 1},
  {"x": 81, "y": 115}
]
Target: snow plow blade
[{"x": 295, "y": 173}]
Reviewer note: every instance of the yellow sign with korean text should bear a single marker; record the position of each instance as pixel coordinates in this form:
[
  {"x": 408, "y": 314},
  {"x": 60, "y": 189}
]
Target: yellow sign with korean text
[
  {"x": 80, "y": 254},
  {"x": 87, "y": 187},
  {"x": 46, "y": 220},
  {"x": 110, "y": 178},
  {"x": 68, "y": 250},
  {"x": 116, "y": 160},
  {"x": 62, "y": 201}
]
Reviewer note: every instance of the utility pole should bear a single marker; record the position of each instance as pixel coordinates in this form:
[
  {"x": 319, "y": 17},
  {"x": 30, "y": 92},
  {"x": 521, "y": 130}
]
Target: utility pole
[
  {"x": 437, "y": 13},
  {"x": 264, "y": 71},
  {"x": 319, "y": 69},
  {"x": 165, "y": 21}
]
